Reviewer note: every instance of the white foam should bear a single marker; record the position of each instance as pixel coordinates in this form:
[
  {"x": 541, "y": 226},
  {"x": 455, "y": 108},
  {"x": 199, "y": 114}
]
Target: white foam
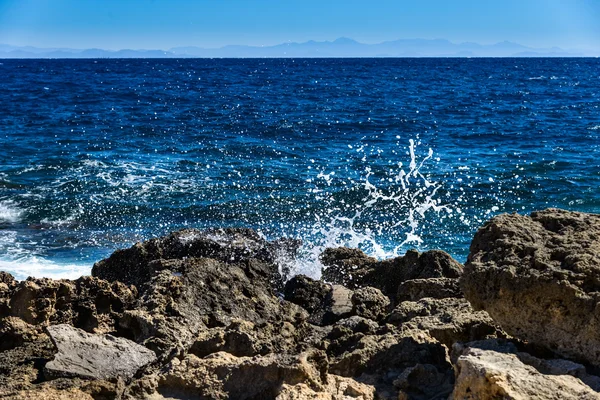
[
  {"x": 41, "y": 268},
  {"x": 10, "y": 212}
]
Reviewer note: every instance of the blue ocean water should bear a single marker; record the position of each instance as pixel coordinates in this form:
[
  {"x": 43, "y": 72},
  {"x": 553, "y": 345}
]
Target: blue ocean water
[{"x": 383, "y": 154}]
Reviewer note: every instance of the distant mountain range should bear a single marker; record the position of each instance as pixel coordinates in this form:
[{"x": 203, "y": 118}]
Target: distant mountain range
[{"x": 342, "y": 47}]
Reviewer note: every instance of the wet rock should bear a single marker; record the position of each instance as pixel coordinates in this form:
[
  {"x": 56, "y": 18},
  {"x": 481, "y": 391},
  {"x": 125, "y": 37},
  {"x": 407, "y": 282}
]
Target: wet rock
[
  {"x": 538, "y": 277},
  {"x": 488, "y": 374},
  {"x": 231, "y": 245},
  {"x": 352, "y": 268},
  {"x": 437, "y": 288},
  {"x": 84, "y": 355},
  {"x": 448, "y": 320},
  {"x": 369, "y": 302}
]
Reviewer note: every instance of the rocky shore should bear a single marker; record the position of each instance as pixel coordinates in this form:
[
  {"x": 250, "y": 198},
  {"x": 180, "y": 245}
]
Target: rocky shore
[{"x": 213, "y": 315}]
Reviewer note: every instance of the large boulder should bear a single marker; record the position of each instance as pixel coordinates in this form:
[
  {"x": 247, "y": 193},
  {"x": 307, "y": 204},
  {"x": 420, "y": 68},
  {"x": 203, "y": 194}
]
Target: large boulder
[
  {"x": 189, "y": 295},
  {"x": 538, "y": 276}
]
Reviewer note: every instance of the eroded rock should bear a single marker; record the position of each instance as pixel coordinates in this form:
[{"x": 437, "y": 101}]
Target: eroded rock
[
  {"x": 489, "y": 374},
  {"x": 448, "y": 320},
  {"x": 538, "y": 277}
]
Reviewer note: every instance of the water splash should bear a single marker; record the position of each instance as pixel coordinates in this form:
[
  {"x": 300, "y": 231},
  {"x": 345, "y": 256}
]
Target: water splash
[
  {"x": 398, "y": 200},
  {"x": 10, "y": 212}
]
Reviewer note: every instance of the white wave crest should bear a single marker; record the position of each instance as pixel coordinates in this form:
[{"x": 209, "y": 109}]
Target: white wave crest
[
  {"x": 10, "y": 212},
  {"x": 42, "y": 268}
]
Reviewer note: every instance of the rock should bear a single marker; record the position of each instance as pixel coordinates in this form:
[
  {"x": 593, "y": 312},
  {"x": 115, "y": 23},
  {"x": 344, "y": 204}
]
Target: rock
[
  {"x": 81, "y": 354},
  {"x": 488, "y": 374},
  {"x": 223, "y": 376},
  {"x": 423, "y": 382},
  {"x": 355, "y": 354},
  {"x": 88, "y": 303},
  {"x": 336, "y": 388},
  {"x": 352, "y": 268},
  {"x": 369, "y": 302},
  {"x": 539, "y": 278},
  {"x": 231, "y": 245},
  {"x": 21, "y": 367},
  {"x": 448, "y": 320},
  {"x": 340, "y": 304},
  {"x": 314, "y": 296},
  {"x": 243, "y": 338},
  {"x": 194, "y": 294},
  {"x": 437, "y": 288},
  {"x": 14, "y": 332},
  {"x": 80, "y": 390}
]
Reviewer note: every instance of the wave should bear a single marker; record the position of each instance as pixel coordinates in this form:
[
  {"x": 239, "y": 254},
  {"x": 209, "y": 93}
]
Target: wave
[
  {"x": 42, "y": 268},
  {"x": 10, "y": 212}
]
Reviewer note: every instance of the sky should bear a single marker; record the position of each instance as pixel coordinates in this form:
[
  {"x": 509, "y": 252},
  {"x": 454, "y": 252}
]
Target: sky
[{"x": 163, "y": 24}]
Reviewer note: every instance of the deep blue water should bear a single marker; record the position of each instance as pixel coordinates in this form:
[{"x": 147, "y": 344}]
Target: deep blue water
[{"x": 97, "y": 154}]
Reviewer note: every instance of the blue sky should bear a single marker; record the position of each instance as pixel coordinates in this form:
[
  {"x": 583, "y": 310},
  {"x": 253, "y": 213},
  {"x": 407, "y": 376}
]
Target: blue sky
[{"x": 162, "y": 24}]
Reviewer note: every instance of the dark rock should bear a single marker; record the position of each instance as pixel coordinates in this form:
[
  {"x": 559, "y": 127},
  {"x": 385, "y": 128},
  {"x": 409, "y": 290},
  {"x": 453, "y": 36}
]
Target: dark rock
[
  {"x": 21, "y": 367},
  {"x": 231, "y": 245},
  {"x": 14, "y": 332},
  {"x": 437, "y": 288},
  {"x": 369, "y": 302},
  {"x": 197, "y": 293},
  {"x": 424, "y": 382},
  {"x": 539, "y": 279},
  {"x": 84, "y": 355},
  {"x": 354, "y": 269},
  {"x": 314, "y": 296}
]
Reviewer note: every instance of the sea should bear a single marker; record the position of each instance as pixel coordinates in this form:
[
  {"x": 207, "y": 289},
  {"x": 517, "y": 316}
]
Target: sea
[{"x": 380, "y": 154}]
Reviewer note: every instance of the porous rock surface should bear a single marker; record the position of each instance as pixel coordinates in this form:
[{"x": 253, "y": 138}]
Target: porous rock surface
[
  {"x": 538, "y": 277},
  {"x": 501, "y": 372},
  {"x": 217, "y": 310}
]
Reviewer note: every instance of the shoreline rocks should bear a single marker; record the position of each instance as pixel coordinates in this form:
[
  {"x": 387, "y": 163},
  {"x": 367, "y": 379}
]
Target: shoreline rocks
[
  {"x": 538, "y": 277},
  {"x": 214, "y": 315}
]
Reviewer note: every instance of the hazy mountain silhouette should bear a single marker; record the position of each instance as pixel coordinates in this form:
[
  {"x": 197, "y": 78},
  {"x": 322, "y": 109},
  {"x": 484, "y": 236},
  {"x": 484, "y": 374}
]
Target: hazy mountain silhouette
[{"x": 342, "y": 47}]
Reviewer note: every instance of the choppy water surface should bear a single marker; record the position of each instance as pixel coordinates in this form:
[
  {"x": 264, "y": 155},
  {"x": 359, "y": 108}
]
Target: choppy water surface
[{"x": 383, "y": 154}]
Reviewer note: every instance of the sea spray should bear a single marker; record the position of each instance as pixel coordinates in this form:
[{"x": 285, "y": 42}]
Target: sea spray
[{"x": 400, "y": 200}]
